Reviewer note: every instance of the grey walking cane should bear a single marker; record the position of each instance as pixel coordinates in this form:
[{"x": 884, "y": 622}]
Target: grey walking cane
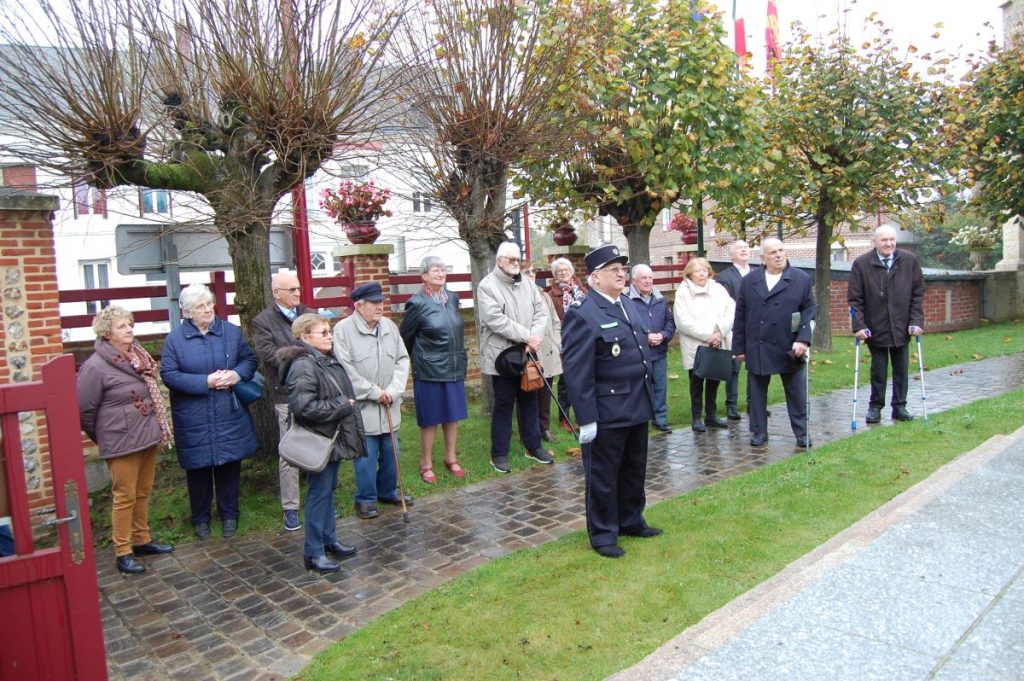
[
  {"x": 920, "y": 362},
  {"x": 398, "y": 467},
  {"x": 856, "y": 375},
  {"x": 807, "y": 390}
]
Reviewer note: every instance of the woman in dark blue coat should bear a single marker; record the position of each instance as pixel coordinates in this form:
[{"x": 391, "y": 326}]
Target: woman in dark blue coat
[{"x": 202, "y": 360}]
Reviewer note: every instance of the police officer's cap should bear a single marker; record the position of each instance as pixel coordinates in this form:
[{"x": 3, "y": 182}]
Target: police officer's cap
[
  {"x": 605, "y": 255},
  {"x": 371, "y": 292}
]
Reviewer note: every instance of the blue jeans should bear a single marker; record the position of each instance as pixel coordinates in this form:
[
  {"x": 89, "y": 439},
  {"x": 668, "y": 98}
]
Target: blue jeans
[
  {"x": 376, "y": 476},
  {"x": 659, "y": 379},
  {"x": 320, "y": 509}
]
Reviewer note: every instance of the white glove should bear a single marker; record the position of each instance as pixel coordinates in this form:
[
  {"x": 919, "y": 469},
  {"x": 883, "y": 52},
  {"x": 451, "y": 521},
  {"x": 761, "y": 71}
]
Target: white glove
[{"x": 588, "y": 433}]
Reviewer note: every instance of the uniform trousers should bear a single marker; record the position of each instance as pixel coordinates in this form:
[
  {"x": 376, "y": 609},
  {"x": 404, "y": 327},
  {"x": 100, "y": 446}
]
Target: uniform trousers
[
  {"x": 615, "y": 466},
  {"x": 508, "y": 396},
  {"x": 287, "y": 474},
  {"x": 796, "y": 401},
  {"x": 900, "y": 356}
]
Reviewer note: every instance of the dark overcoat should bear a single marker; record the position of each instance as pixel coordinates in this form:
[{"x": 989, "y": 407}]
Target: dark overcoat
[
  {"x": 211, "y": 427},
  {"x": 731, "y": 279},
  {"x": 606, "y": 362},
  {"x": 272, "y": 330},
  {"x": 763, "y": 326},
  {"x": 887, "y": 302}
]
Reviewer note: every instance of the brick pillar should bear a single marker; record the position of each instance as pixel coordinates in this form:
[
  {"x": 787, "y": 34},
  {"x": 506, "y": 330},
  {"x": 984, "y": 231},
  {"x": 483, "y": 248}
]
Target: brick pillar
[
  {"x": 574, "y": 254},
  {"x": 29, "y": 319},
  {"x": 369, "y": 263}
]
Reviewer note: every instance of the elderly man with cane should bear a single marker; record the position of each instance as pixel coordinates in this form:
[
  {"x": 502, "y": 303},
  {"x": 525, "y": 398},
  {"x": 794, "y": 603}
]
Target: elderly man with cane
[
  {"x": 369, "y": 347},
  {"x": 886, "y": 296}
]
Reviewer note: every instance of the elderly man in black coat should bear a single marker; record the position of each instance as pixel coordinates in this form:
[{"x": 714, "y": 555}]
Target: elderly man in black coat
[
  {"x": 731, "y": 278},
  {"x": 886, "y": 295},
  {"x": 607, "y": 364},
  {"x": 772, "y": 332}
]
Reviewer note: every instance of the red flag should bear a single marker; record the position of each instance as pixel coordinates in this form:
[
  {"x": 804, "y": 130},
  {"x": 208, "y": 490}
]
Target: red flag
[
  {"x": 771, "y": 35},
  {"x": 741, "y": 42}
]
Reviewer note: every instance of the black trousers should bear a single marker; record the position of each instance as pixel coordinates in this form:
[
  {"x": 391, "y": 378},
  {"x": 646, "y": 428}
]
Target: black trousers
[
  {"x": 732, "y": 388},
  {"x": 615, "y": 466},
  {"x": 900, "y": 355},
  {"x": 508, "y": 397},
  {"x": 201, "y": 484},
  {"x": 796, "y": 401},
  {"x": 705, "y": 390},
  {"x": 563, "y": 398}
]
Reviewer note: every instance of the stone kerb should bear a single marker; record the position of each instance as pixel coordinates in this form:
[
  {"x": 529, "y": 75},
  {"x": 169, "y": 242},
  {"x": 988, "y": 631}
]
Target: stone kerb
[{"x": 30, "y": 317}]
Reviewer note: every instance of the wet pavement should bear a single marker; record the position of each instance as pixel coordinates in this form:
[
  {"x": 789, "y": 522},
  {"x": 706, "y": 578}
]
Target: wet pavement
[{"x": 245, "y": 608}]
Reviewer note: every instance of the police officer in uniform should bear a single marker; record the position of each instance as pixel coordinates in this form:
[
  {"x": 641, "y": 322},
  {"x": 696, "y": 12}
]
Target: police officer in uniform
[{"x": 606, "y": 363}]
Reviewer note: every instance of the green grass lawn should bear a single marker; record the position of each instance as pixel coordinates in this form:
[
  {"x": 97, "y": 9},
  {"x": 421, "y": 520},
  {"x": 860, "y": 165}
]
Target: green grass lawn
[
  {"x": 260, "y": 510},
  {"x": 559, "y": 611}
]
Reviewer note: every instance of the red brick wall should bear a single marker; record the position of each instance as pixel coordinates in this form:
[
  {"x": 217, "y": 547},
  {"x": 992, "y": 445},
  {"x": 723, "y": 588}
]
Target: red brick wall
[
  {"x": 949, "y": 305},
  {"x": 29, "y": 318},
  {"x": 20, "y": 177}
]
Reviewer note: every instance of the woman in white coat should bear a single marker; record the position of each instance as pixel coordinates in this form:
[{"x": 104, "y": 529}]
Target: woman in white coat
[{"x": 703, "y": 312}]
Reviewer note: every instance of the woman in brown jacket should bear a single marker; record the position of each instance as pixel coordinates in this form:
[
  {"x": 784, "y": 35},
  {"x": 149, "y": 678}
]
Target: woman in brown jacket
[{"x": 123, "y": 411}]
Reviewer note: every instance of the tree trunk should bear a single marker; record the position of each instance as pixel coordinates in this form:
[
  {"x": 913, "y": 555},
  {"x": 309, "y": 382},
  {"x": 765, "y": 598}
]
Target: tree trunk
[
  {"x": 822, "y": 338},
  {"x": 250, "y": 259},
  {"x": 638, "y": 242}
]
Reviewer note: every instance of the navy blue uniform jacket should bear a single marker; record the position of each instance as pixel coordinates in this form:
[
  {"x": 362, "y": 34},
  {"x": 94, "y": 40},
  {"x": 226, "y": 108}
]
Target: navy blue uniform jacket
[
  {"x": 762, "y": 328},
  {"x": 614, "y": 391}
]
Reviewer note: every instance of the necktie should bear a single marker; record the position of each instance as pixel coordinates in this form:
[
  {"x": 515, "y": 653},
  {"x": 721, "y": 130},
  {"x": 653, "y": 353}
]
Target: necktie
[
  {"x": 618, "y": 304},
  {"x": 887, "y": 261}
]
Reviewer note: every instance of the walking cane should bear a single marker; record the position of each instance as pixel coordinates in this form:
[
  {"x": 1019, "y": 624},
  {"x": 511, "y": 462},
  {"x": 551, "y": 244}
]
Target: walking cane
[
  {"x": 920, "y": 362},
  {"x": 856, "y": 375},
  {"x": 530, "y": 357},
  {"x": 398, "y": 467},
  {"x": 807, "y": 389}
]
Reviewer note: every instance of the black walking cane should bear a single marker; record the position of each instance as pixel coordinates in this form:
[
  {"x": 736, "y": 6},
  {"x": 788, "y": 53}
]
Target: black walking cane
[
  {"x": 531, "y": 357},
  {"x": 398, "y": 467}
]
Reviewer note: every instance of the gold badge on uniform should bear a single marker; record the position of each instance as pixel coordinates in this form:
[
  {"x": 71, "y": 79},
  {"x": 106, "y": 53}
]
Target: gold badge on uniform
[{"x": 616, "y": 350}]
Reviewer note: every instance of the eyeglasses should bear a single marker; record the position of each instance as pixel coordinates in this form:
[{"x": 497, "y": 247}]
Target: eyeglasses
[
  {"x": 293, "y": 289},
  {"x": 614, "y": 270},
  {"x": 325, "y": 333},
  {"x": 514, "y": 261},
  {"x": 203, "y": 307}
]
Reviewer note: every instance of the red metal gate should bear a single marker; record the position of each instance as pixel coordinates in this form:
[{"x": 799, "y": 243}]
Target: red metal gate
[{"x": 50, "y": 625}]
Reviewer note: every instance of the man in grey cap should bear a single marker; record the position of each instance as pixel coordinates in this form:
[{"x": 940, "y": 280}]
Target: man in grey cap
[{"x": 606, "y": 362}]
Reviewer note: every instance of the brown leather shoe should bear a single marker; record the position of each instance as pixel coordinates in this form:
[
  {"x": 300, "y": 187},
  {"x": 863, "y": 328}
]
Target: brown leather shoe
[{"x": 366, "y": 511}]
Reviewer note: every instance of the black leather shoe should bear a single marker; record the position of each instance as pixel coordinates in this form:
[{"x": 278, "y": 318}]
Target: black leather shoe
[
  {"x": 229, "y": 527},
  {"x": 733, "y": 414},
  {"x": 321, "y": 564},
  {"x": 874, "y": 415},
  {"x": 803, "y": 442},
  {"x": 202, "y": 530},
  {"x": 340, "y": 550},
  {"x": 645, "y": 533},
  {"x": 715, "y": 423},
  {"x": 698, "y": 426},
  {"x": 129, "y": 566},
  {"x": 395, "y": 501},
  {"x": 758, "y": 440},
  {"x": 662, "y": 428},
  {"x": 901, "y": 414},
  {"x": 366, "y": 511},
  {"x": 610, "y": 551},
  {"x": 152, "y": 549}
]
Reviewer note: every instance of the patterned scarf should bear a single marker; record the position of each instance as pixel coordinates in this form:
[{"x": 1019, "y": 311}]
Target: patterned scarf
[
  {"x": 570, "y": 292},
  {"x": 143, "y": 364},
  {"x": 441, "y": 297}
]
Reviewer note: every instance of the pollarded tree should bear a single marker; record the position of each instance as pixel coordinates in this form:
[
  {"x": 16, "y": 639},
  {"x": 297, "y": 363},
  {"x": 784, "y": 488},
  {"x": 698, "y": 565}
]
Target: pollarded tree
[
  {"x": 488, "y": 91},
  {"x": 237, "y": 102},
  {"x": 852, "y": 129},
  {"x": 667, "y": 116},
  {"x": 992, "y": 113}
]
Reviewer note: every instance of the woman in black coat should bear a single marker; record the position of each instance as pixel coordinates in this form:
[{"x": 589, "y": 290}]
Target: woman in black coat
[{"x": 320, "y": 397}]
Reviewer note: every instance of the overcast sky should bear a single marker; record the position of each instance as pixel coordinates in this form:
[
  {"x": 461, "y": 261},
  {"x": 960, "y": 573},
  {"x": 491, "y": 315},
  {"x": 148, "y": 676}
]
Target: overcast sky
[{"x": 912, "y": 21}]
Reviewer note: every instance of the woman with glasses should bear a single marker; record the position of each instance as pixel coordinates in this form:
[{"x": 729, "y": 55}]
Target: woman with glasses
[
  {"x": 201, "y": 361},
  {"x": 321, "y": 398},
  {"x": 565, "y": 289},
  {"x": 432, "y": 329},
  {"x": 703, "y": 312}
]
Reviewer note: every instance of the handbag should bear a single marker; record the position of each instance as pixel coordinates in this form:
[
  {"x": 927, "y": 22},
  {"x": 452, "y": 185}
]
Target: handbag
[
  {"x": 532, "y": 378},
  {"x": 307, "y": 449},
  {"x": 712, "y": 364},
  {"x": 248, "y": 392}
]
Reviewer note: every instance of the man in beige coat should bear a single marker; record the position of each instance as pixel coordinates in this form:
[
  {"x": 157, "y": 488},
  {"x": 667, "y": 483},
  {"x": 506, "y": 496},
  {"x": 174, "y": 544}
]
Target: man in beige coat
[
  {"x": 371, "y": 349},
  {"x": 511, "y": 313}
]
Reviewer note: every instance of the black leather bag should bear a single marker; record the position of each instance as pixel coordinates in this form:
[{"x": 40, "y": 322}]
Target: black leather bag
[
  {"x": 712, "y": 364},
  {"x": 248, "y": 392}
]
